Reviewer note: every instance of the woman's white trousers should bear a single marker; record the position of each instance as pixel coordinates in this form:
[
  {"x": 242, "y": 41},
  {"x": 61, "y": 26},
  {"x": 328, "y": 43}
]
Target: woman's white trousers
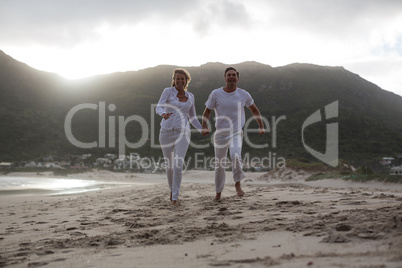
[{"x": 174, "y": 145}]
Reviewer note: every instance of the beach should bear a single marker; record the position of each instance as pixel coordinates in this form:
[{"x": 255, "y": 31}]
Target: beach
[{"x": 280, "y": 222}]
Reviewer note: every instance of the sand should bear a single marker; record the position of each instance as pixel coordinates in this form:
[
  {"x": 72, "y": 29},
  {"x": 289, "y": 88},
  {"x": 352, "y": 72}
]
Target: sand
[{"x": 280, "y": 222}]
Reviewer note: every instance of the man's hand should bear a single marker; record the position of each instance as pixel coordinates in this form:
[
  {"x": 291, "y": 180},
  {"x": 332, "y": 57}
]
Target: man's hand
[
  {"x": 205, "y": 117},
  {"x": 256, "y": 113}
]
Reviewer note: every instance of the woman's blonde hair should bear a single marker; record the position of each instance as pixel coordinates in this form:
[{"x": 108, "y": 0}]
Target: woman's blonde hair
[{"x": 186, "y": 74}]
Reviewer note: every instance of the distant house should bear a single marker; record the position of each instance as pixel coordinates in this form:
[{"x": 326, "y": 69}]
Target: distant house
[
  {"x": 123, "y": 157},
  {"x": 387, "y": 161},
  {"x": 396, "y": 170},
  {"x": 5, "y": 164},
  {"x": 121, "y": 164},
  {"x": 110, "y": 156},
  {"x": 30, "y": 164},
  {"x": 86, "y": 156},
  {"x": 101, "y": 161},
  {"x": 65, "y": 164},
  {"x": 52, "y": 165}
]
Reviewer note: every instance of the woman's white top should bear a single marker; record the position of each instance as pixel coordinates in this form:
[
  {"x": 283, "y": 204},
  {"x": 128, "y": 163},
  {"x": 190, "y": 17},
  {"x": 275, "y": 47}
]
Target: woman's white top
[{"x": 182, "y": 112}]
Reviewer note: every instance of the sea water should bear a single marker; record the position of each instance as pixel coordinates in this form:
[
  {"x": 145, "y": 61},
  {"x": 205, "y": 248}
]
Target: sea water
[{"x": 51, "y": 186}]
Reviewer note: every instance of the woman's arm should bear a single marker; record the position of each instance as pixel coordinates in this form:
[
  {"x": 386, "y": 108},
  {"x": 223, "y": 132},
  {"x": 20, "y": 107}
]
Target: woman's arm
[
  {"x": 193, "y": 118},
  {"x": 160, "y": 108}
]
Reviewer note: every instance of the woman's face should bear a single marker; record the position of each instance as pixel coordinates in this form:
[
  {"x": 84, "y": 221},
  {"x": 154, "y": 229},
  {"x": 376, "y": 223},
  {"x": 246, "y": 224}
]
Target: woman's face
[{"x": 180, "y": 81}]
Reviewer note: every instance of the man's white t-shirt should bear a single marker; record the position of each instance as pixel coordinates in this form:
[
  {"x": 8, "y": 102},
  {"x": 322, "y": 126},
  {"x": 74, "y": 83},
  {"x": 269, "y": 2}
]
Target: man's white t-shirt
[{"x": 229, "y": 108}]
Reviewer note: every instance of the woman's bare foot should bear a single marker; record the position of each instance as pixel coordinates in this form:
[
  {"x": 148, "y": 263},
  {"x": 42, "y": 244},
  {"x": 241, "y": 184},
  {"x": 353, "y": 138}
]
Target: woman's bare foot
[
  {"x": 175, "y": 203},
  {"x": 217, "y": 197},
  {"x": 239, "y": 191}
]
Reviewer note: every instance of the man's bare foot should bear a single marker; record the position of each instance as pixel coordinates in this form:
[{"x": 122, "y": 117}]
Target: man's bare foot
[
  {"x": 170, "y": 196},
  {"x": 239, "y": 191},
  {"x": 175, "y": 203},
  {"x": 217, "y": 197}
]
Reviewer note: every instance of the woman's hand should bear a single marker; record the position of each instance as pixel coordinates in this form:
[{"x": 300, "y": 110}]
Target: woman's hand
[
  {"x": 166, "y": 115},
  {"x": 205, "y": 131}
]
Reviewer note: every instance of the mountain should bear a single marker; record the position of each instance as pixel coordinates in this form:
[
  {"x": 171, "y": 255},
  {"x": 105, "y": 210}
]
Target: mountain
[{"x": 34, "y": 106}]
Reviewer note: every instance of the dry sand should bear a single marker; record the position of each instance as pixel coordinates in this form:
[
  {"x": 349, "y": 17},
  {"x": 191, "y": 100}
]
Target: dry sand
[{"x": 282, "y": 221}]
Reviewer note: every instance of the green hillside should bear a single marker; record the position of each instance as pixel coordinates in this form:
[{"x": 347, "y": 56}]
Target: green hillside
[{"x": 34, "y": 106}]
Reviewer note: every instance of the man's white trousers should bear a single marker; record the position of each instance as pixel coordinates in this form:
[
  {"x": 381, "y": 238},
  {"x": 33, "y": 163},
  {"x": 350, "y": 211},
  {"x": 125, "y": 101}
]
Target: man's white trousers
[{"x": 224, "y": 141}]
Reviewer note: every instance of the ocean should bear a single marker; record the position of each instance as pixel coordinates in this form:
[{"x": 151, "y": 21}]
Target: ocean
[{"x": 51, "y": 186}]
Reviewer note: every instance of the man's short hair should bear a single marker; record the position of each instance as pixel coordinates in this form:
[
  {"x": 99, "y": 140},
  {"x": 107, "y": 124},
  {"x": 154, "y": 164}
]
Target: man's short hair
[{"x": 231, "y": 69}]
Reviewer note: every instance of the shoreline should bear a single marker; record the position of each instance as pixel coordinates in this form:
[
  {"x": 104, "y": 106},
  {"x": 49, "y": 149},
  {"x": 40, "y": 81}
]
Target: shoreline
[{"x": 203, "y": 176}]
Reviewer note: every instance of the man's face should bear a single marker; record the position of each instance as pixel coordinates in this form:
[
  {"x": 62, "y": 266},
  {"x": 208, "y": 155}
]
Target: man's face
[{"x": 231, "y": 77}]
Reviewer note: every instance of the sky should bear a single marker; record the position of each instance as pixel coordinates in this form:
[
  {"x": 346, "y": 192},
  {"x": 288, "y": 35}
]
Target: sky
[{"x": 81, "y": 38}]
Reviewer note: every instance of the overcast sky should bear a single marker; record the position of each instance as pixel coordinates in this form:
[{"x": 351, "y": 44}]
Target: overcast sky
[{"x": 78, "y": 38}]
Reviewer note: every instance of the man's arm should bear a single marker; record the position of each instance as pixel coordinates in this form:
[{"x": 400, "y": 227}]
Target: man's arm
[
  {"x": 257, "y": 116},
  {"x": 205, "y": 119}
]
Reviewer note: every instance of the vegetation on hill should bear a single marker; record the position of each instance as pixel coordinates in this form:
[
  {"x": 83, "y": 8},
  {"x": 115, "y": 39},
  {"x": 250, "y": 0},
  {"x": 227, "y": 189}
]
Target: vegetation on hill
[{"x": 34, "y": 106}]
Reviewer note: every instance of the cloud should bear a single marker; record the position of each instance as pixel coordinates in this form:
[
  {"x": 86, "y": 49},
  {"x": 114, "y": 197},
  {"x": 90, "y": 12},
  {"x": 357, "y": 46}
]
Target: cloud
[
  {"x": 335, "y": 31},
  {"x": 329, "y": 15},
  {"x": 357, "y": 22},
  {"x": 223, "y": 14},
  {"x": 69, "y": 22}
]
